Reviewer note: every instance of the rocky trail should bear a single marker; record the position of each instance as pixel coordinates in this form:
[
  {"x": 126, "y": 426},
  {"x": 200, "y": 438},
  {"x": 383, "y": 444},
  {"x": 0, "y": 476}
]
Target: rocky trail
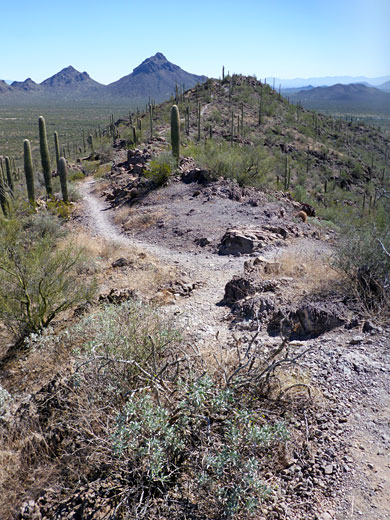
[
  {"x": 349, "y": 433},
  {"x": 200, "y": 315}
]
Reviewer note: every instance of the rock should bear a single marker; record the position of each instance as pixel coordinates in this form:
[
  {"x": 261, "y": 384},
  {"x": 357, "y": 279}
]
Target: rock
[
  {"x": 356, "y": 340},
  {"x": 308, "y": 209},
  {"x": 133, "y": 193},
  {"x": 325, "y": 516},
  {"x": 241, "y": 287},
  {"x": 368, "y": 326},
  {"x": 308, "y": 321},
  {"x": 117, "y": 296},
  {"x": 263, "y": 266},
  {"x": 121, "y": 262},
  {"x": 247, "y": 241},
  {"x": 202, "y": 242},
  {"x": 196, "y": 175},
  {"x": 328, "y": 469},
  {"x": 259, "y": 307}
]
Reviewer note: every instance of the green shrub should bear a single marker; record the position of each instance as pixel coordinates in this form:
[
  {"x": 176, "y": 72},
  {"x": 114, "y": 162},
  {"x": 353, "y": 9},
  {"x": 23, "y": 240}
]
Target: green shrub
[
  {"x": 132, "y": 332},
  {"x": 150, "y": 421},
  {"x": 213, "y": 434},
  {"x": 160, "y": 169},
  {"x": 37, "y": 280},
  {"x": 363, "y": 255},
  {"x": 249, "y": 165},
  {"x": 76, "y": 175}
]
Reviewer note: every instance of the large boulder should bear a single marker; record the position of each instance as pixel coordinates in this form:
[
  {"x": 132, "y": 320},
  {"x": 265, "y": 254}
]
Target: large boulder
[
  {"x": 246, "y": 240},
  {"x": 241, "y": 287}
]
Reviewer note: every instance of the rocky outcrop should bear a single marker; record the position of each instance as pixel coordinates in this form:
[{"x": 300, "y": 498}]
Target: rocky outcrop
[
  {"x": 249, "y": 240},
  {"x": 308, "y": 320}
]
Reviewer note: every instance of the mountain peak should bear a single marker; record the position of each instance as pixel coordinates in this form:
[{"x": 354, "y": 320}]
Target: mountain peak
[
  {"x": 154, "y": 64},
  {"x": 70, "y": 77},
  {"x": 26, "y": 85},
  {"x": 155, "y": 77},
  {"x": 159, "y": 56},
  {"x": 4, "y": 87}
]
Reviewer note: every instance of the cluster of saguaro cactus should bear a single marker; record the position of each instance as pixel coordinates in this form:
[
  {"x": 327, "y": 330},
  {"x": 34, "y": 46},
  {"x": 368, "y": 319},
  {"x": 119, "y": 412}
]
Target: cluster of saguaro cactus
[
  {"x": 45, "y": 160},
  {"x": 175, "y": 132}
]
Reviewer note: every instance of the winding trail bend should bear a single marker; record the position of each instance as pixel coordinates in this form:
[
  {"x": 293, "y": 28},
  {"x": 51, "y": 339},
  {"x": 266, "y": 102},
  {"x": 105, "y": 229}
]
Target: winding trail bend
[{"x": 201, "y": 317}]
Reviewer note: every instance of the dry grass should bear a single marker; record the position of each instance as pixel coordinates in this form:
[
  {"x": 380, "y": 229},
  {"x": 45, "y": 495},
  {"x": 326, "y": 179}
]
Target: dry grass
[
  {"x": 310, "y": 272},
  {"x": 102, "y": 170},
  {"x": 136, "y": 219},
  {"x": 100, "y": 186},
  {"x": 144, "y": 273}
]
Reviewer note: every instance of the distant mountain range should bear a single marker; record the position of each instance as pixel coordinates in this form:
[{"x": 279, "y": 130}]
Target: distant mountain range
[
  {"x": 355, "y": 97},
  {"x": 326, "y": 81},
  {"x": 155, "y": 77}
]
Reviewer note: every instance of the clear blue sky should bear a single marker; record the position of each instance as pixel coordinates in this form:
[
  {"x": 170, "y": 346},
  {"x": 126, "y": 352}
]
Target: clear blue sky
[{"x": 282, "y": 38}]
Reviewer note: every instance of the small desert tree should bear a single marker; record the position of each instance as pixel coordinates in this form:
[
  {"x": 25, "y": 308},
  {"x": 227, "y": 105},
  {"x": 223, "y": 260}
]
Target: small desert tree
[{"x": 37, "y": 279}]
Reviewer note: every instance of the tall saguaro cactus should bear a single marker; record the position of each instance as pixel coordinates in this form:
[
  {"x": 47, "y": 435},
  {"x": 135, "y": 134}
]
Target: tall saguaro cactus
[
  {"x": 57, "y": 147},
  {"x": 29, "y": 172},
  {"x": 175, "y": 132},
  {"x": 151, "y": 120},
  {"x": 45, "y": 158},
  {"x": 3, "y": 197},
  {"x": 10, "y": 181},
  {"x": 62, "y": 170}
]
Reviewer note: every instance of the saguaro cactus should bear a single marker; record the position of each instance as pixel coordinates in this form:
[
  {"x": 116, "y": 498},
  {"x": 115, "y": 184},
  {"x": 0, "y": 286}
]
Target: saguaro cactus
[
  {"x": 29, "y": 172},
  {"x": 57, "y": 147},
  {"x": 3, "y": 197},
  {"x": 151, "y": 120},
  {"x": 45, "y": 158},
  {"x": 198, "y": 119},
  {"x": 10, "y": 181},
  {"x": 175, "y": 131},
  {"x": 62, "y": 170}
]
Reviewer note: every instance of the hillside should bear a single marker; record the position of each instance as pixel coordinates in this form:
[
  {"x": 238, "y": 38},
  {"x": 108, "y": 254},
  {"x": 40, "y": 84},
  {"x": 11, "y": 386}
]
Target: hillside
[
  {"x": 347, "y": 98},
  {"x": 155, "y": 78},
  {"x": 229, "y": 364},
  {"x": 385, "y": 86}
]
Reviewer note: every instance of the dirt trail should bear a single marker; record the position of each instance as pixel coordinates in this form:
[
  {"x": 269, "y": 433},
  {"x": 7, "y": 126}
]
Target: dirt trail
[
  {"x": 358, "y": 377},
  {"x": 200, "y": 316}
]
